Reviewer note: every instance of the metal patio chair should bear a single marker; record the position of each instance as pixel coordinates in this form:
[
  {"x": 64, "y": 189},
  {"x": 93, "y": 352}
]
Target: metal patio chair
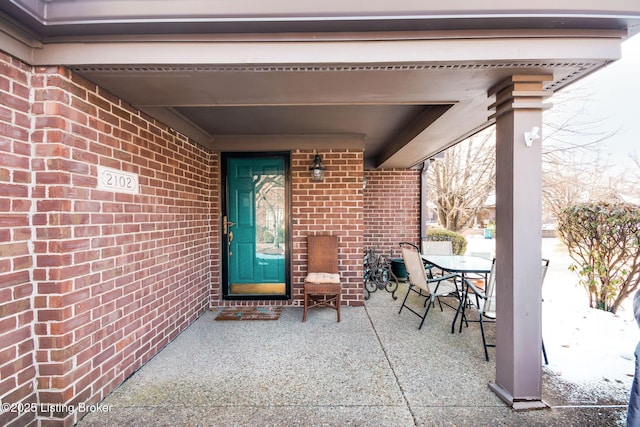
[
  {"x": 419, "y": 283},
  {"x": 485, "y": 303},
  {"x": 436, "y": 247}
]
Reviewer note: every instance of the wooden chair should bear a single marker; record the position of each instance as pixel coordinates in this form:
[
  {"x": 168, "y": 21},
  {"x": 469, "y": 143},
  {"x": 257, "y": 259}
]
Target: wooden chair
[{"x": 322, "y": 286}]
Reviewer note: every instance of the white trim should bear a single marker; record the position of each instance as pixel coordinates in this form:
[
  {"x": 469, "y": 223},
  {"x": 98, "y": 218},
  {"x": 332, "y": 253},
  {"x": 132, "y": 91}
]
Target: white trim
[{"x": 330, "y": 52}]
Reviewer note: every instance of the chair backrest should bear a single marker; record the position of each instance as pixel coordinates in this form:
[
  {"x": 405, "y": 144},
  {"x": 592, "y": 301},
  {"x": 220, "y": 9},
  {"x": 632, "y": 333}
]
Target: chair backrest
[
  {"x": 437, "y": 247},
  {"x": 489, "y": 306},
  {"x": 322, "y": 254},
  {"x": 415, "y": 268},
  {"x": 410, "y": 244}
]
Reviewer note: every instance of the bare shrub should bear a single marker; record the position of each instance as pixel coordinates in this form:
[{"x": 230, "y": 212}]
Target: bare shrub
[{"x": 603, "y": 240}]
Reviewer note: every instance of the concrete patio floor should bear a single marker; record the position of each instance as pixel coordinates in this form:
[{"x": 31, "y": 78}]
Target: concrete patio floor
[{"x": 375, "y": 368}]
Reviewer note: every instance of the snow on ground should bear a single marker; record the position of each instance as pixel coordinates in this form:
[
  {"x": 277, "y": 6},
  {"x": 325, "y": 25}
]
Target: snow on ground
[{"x": 585, "y": 346}]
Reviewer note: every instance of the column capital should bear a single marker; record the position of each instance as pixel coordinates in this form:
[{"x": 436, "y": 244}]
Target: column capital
[{"x": 520, "y": 92}]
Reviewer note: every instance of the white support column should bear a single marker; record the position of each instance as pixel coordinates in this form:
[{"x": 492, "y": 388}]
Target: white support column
[{"x": 518, "y": 110}]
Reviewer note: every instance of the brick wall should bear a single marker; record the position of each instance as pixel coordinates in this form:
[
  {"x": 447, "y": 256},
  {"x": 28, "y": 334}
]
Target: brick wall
[
  {"x": 215, "y": 290},
  {"x": 392, "y": 209},
  {"x": 93, "y": 283},
  {"x": 117, "y": 275},
  {"x": 333, "y": 206},
  {"x": 17, "y": 369}
]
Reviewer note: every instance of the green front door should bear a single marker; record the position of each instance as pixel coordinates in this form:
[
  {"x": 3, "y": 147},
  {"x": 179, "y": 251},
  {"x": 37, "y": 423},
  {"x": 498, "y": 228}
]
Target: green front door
[{"x": 255, "y": 227}]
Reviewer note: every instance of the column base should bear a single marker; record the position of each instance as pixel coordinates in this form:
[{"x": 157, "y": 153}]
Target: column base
[{"x": 518, "y": 404}]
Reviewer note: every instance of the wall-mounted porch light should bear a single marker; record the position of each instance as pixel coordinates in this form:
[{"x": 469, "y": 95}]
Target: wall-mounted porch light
[{"x": 317, "y": 169}]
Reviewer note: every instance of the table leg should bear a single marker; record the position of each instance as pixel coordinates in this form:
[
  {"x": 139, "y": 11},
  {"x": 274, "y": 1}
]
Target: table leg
[
  {"x": 463, "y": 306},
  {"x": 460, "y": 309}
]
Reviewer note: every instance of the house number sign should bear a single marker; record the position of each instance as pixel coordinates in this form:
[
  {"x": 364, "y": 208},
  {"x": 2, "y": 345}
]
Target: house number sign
[{"x": 116, "y": 180}]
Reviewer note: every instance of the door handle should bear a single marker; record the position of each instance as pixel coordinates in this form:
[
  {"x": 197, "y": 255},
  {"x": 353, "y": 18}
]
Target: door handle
[{"x": 226, "y": 225}]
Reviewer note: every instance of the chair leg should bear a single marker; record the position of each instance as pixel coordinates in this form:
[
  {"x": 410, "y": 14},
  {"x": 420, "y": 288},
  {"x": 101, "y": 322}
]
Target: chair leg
[
  {"x": 425, "y": 314},
  {"x": 463, "y": 319},
  {"x": 306, "y": 305},
  {"x": 321, "y": 300},
  {"x": 426, "y": 298},
  {"x": 464, "y": 303},
  {"x": 544, "y": 353},
  {"x": 405, "y": 299},
  {"x": 484, "y": 340}
]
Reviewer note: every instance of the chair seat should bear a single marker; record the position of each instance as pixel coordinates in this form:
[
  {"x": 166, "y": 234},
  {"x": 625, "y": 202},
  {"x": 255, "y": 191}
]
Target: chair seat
[
  {"x": 323, "y": 278},
  {"x": 322, "y": 288},
  {"x": 445, "y": 287}
]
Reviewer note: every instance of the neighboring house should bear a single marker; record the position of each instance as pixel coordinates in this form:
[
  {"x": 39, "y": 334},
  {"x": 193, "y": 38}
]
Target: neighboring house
[{"x": 139, "y": 146}]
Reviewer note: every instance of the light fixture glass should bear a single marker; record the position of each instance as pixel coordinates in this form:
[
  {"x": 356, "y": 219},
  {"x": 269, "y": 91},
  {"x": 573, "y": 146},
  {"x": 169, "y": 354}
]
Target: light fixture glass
[{"x": 317, "y": 169}]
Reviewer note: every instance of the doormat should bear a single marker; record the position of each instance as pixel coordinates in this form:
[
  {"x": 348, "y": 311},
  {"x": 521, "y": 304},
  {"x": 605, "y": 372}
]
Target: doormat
[{"x": 250, "y": 313}]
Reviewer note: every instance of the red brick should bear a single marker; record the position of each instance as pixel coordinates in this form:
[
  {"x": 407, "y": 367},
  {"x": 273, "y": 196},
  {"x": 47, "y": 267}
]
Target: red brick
[
  {"x": 15, "y": 278},
  {"x": 68, "y": 166},
  {"x": 18, "y": 205},
  {"x": 53, "y": 205},
  {"x": 10, "y": 190},
  {"x": 85, "y": 256},
  {"x": 13, "y": 249},
  {"x": 54, "y": 314},
  {"x": 53, "y": 178},
  {"x": 16, "y": 336},
  {"x": 52, "y": 150},
  {"x": 56, "y": 396},
  {"x": 21, "y": 291},
  {"x": 53, "y": 260},
  {"x": 69, "y": 245},
  {"x": 69, "y": 272},
  {"x": 53, "y": 233}
]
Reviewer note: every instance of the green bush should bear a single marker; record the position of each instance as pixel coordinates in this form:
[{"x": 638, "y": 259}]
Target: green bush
[
  {"x": 458, "y": 241},
  {"x": 604, "y": 241}
]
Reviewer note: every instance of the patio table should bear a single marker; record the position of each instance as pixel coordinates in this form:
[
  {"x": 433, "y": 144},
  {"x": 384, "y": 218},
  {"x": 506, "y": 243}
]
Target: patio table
[{"x": 462, "y": 265}]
